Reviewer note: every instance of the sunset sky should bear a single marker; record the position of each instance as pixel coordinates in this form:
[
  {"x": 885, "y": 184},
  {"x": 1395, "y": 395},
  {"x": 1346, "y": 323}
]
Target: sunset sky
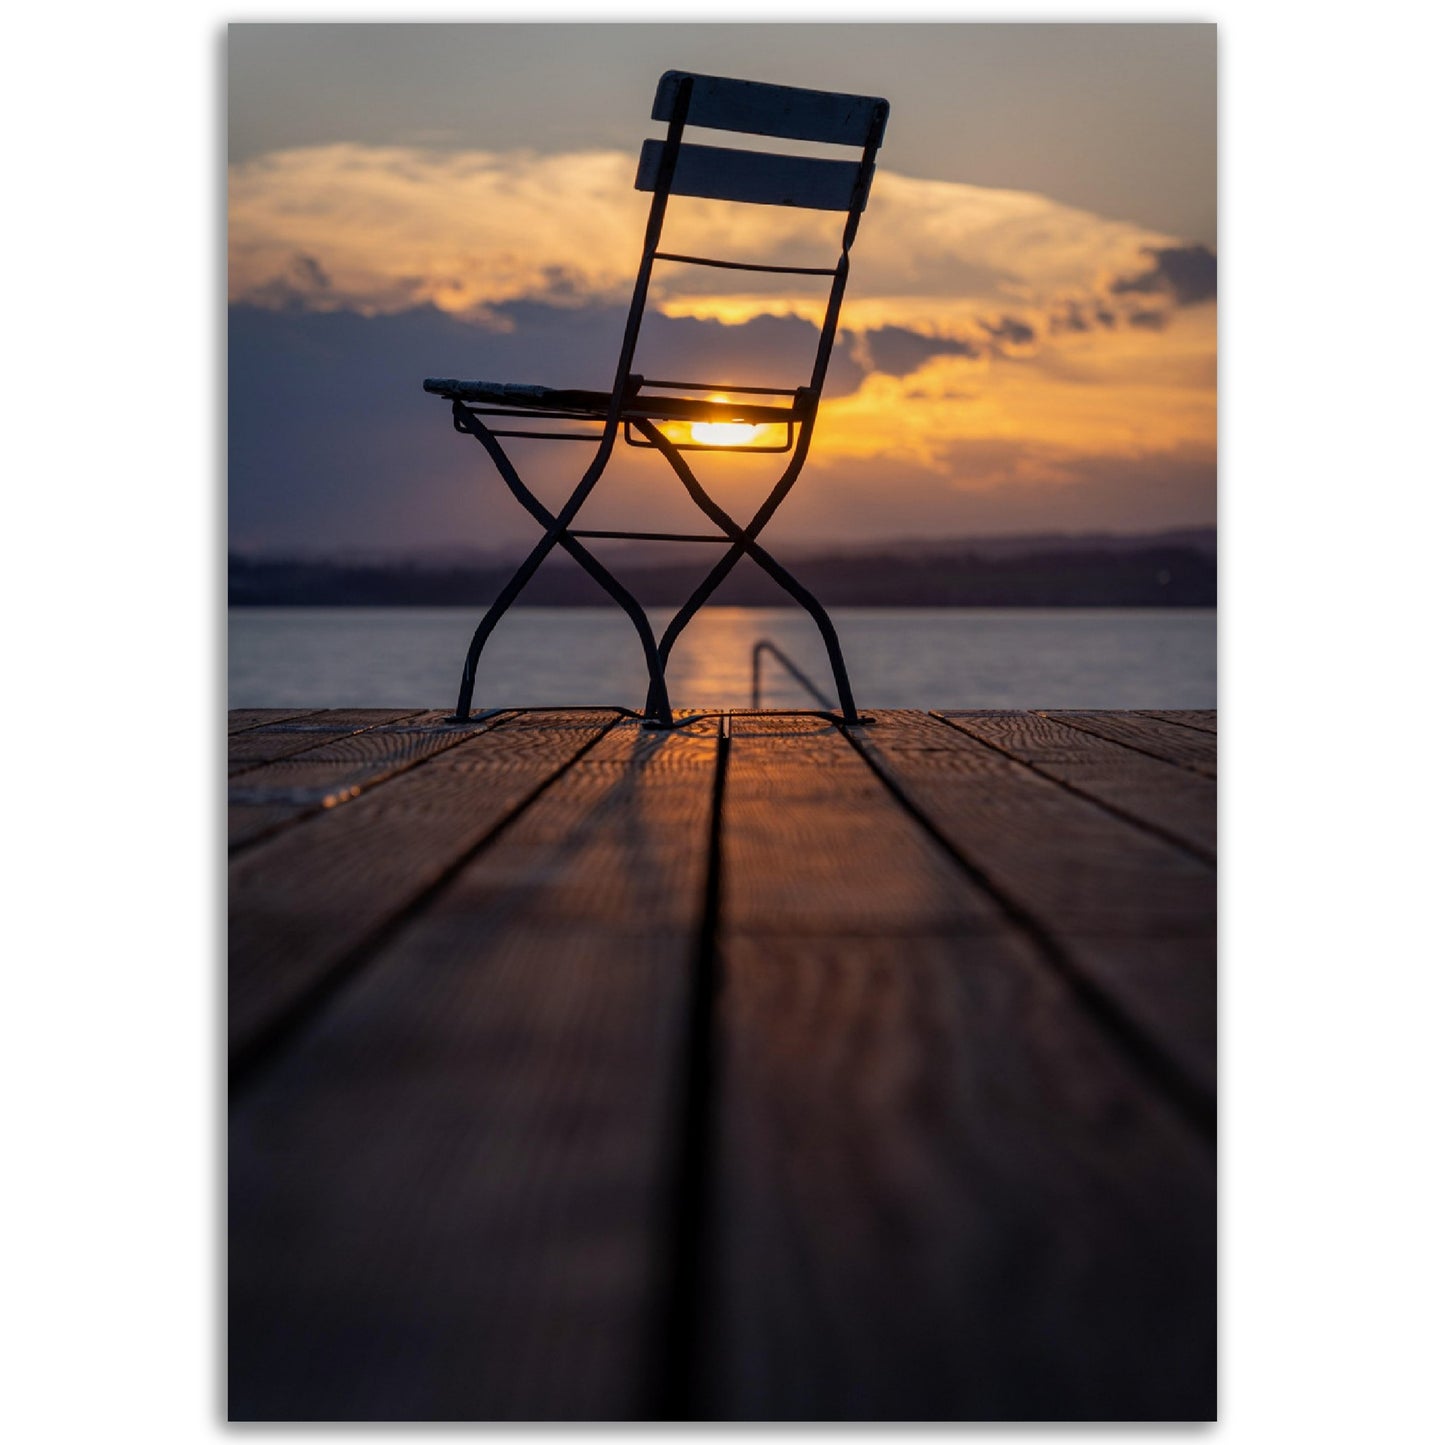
[{"x": 1029, "y": 340}]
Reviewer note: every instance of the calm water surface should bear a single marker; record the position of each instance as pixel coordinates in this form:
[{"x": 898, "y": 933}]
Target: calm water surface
[{"x": 954, "y": 657}]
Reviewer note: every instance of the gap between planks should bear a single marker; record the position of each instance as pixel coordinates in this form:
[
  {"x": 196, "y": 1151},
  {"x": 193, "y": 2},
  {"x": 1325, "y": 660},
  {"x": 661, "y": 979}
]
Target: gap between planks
[
  {"x": 867, "y": 1339},
  {"x": 459, "y": 1091},
  {"x": 307, "y": 904},
  {"x": 1173, "y": 803},
  {"x": 337, "y": 770},
  {"x": 924, "y": 1146}
]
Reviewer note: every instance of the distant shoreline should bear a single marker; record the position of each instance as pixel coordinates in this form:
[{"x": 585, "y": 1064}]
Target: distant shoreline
[
  {"x": 1155, "y": 572},
  {"x": 782, "y": 601}
]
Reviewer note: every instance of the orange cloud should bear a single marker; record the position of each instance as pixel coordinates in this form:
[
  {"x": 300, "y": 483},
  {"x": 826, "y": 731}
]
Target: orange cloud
[
  {"x": 1122, "y": 393},
  {"x": 1071, "y": 342},
  {"x": 384, "y": 229},
  {"x": 379, "y": 229}
]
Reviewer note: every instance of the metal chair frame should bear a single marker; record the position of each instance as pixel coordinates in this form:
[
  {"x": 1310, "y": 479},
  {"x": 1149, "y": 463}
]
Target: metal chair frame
[{"x": 633, "y": 408}]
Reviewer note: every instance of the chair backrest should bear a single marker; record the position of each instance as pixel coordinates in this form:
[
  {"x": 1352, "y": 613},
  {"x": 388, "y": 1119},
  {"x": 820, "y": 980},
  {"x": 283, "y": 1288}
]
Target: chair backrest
[
  {"x": 786, "y": 111},
  {"x": 768, "y": 180},
  {"x": 675, "y": 167},
  {"x": 783, "y": 111}
]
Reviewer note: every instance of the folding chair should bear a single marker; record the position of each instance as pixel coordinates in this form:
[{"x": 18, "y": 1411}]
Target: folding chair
[{"x": 637, "y": 405}]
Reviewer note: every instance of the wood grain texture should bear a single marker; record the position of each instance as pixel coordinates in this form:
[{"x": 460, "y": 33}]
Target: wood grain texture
[
  {"x": 1207, "y": 721},
  {"x": 1077, "y": 868},
  {"x": 1079, "y": 873},
  {"x": 1183, "y": 746},
  {"x": 270, "y": 795},
  {"x": 938, "y": 1192},
  {"x": 523, "y": 1129},
  {"x": 302, "y": 901},
  {"x": 1170, "y": 987},
  {"x": 241, "y": 718},
  {"x": 272, "y": 741},
  {"x": 811, "y": 838},
  {"x": 1174, "y": 802},
  {"x": 451, "y": 1196}
]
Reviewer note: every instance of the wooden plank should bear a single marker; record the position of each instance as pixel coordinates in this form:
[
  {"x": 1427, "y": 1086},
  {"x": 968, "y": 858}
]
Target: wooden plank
[
  {"x": 1184, "y": 747},
  {"x": 1170, "y": 987},
  {"x": 809, "y": 837},
  {"x": 938, "y": 1191},
  {"x": 239, "y": 719},
  {"x": 451, "y": 1196},
  {"x": 781, "y": 110},
  {"x": 272, "y": 741},
  {"x": 724, "y": 174},
  {"x": 1176, "y": 803},
  {"x": 1205, "y": 721},
  {"x": 1079, "y": 874},
  {"x": 272, "y": 795},
  {"x": 1076, "y": 868},
  {"x": 248, "y": 822},
  {"x": 303, "y": 901}
]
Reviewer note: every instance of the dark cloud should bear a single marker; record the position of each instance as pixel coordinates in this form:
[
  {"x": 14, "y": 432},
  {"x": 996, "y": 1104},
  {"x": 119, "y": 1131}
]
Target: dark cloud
[
  {"x": 897, "y": 351},
  {"x": 1187, "y": 273},
  {"x": 304, "y": 282},
  {"x": 310, "y": 273},
  {"x": 1148, "y": 320},
  {"x": 1009, "y": 330},
  {"x": 1070, "y": 317},
  {"x": 333, "y": 443},
  {"x": 766, "y": 351}
]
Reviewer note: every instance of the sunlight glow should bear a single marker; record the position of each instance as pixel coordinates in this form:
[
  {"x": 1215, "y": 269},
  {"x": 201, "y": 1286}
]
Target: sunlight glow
[
  {"x": 724, "y": 433},
  {"x": 1066, "y": 362}
]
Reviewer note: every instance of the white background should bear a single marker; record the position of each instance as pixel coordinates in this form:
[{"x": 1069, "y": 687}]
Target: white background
[{"x": 114, "y": 607}]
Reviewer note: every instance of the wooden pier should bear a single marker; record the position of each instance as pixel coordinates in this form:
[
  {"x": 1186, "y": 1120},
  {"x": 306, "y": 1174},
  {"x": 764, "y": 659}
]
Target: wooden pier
[{"x": 757, "y": 1070}]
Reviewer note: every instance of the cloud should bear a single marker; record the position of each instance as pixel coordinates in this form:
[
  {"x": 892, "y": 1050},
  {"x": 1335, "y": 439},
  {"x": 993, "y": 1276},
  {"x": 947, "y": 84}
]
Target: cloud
[
  {"x": 997, "y": 345},
  {"x": 398, "y": 227},
  {"x": 896, "y": 351},
  {"x": 1118, "y": 393},
  {"x": 1187, "y": 273},
  {"x": 334, "y": 445},
  {"x": 391, "y": 228},
  {"x": 1010, "y": 330}
]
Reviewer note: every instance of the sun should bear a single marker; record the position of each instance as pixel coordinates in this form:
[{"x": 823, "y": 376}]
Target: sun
[{"x": 723, "y": 433}]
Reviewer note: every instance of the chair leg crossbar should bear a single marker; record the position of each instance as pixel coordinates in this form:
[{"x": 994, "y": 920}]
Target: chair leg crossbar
[{"x": 657, "y": 712}]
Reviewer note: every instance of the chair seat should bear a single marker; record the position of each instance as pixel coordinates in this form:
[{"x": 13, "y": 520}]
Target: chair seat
[{"x": 546, "y": 400}]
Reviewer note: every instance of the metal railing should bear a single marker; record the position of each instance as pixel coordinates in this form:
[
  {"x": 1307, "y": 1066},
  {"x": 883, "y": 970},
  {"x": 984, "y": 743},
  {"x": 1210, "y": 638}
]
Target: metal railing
[{"x": 764, "y": 644}]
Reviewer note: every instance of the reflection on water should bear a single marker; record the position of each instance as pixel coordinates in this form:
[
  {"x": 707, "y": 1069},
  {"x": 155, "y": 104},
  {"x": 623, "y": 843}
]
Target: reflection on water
[{"x": 954, "y": 657}]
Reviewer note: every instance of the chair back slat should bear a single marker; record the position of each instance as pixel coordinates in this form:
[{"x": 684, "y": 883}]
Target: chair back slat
[
  {"x": 723, "y": 174},
  {"x": 778, "y": 110}
]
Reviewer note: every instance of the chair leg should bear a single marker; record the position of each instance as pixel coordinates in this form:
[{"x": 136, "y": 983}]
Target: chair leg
[
  {"x": 745, "y": 543},
  {"x": 494, "y": 614},
  {"x": 819, "y": 614},
  {"x": 791, "y": 585},
  {"x": 657, "y": 710}
]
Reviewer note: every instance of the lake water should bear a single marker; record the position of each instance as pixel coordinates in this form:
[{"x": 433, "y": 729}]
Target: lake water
[{"x": 954, "y": 657}]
